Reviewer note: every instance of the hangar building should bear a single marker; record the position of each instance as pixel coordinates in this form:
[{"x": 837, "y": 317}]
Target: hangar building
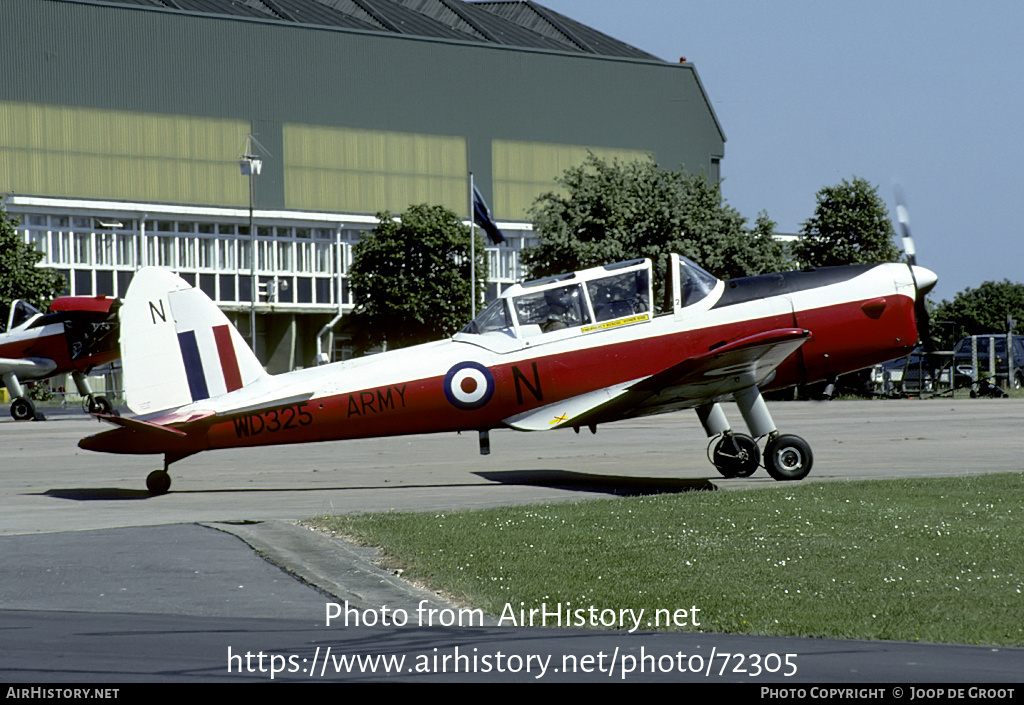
[{"x": 123, "y": 122}]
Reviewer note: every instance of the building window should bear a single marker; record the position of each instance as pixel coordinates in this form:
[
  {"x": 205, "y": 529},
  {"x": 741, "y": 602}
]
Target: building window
[
  {"x": 226, "y": 254},
  {"x": 186, "y": 253},
  {"x": 125, "y": 249},
  {"x": 227, "y": 288},
  {"x": 104, "y": 283},
  {"x": 165, "y": 251},
  {"x": 105, "y": 249},
  {"x": 207, "y": 253},
  {"x": 323, "y": 257},
  {"x": 60, "y": 247},
  {"x": 83, "y": 282},
  {"x": 284, "y": 256},
  {"x": 83, "y": 248}
]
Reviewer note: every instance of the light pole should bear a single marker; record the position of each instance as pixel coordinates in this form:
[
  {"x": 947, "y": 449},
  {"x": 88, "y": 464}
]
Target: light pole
[{"x": 251, "y": 165}]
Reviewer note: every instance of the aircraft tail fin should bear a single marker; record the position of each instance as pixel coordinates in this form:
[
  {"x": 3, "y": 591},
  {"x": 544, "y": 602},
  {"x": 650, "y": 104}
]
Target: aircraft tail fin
[{"x": 177, "y": 347}]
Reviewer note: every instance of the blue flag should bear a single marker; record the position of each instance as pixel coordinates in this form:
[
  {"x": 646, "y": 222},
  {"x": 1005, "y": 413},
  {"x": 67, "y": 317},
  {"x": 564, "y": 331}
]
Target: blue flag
[{"x": 482, "y": 217}]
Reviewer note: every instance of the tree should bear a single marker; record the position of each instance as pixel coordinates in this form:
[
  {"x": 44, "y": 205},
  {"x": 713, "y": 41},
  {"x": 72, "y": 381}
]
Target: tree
[
  {"x": 619, "y": 211},
  {"x": 20, "y": 277},
  {"x": 410, "y": 278},
  {"x": 850, "y": 225},
  {"x": 981, "y": 310}
]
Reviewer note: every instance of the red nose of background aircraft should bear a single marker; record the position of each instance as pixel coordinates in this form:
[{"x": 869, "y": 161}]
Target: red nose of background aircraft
[{"x": 78, "y": 334}]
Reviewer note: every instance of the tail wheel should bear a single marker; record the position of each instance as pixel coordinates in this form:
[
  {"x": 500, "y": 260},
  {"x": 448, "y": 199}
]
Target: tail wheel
[
  {"x": 158, "y": 482},
  {"x": 736, "y": 455},
  {"x": 788, "y": 458}
]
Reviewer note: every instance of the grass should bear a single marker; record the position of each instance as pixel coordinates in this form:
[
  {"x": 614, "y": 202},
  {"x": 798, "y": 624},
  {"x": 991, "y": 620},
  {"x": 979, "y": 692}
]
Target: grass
[{"x": 933, "y": 560}]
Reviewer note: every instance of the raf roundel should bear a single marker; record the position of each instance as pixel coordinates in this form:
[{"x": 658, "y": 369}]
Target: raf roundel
[{"x": 468, "y": 385}]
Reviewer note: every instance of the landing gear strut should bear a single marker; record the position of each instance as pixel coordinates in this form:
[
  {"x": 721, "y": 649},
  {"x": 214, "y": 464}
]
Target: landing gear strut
[
  {"x": 22, "y": 408},
  {"x": 786, "y": 457},
  {"x": 91, "y": 403}
]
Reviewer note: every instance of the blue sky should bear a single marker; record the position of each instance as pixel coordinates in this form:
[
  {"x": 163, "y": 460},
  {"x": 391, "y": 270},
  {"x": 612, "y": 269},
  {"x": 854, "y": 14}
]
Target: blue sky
[{"x": 929, "y": 95}]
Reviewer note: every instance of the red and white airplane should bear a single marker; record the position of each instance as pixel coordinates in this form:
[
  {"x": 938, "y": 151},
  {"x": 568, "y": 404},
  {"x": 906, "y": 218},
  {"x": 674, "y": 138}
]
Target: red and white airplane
[
  {"x": 78, "y": 334},
  {"x": 575, "y": 350}
]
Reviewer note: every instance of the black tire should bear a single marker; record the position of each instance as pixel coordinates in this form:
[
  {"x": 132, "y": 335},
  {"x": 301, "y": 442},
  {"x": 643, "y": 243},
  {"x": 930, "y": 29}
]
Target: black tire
[
  {"x": 158, "y": 482},
  {"x": 98, "y": 405},
  {"x": 23, "y": 409},
  {"x": 788, "y": 458},
  {"x": 731, "y": 463}
]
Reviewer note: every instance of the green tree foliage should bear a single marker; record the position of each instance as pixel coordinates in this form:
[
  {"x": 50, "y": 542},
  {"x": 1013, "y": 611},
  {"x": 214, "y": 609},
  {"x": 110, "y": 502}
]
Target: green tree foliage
[
  {"x": 410, "y": 278},
  {"x": 980, "y": 310},
  {"x": 20, "y": 277},
  {"x": 850, "y": 225},
  {"x": 609, "y": 212}
]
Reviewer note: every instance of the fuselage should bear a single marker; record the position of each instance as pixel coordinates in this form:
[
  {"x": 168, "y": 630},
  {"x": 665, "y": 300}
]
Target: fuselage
[{"x": 857, "y": 317}]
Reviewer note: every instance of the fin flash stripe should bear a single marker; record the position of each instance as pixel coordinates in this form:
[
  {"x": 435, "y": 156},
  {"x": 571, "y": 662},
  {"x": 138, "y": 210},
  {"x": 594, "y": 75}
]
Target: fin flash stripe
[
  {"x": 228, "y": 360},
  {"x": 193, "y": 365},
  {"x": 195, "y": 370}
]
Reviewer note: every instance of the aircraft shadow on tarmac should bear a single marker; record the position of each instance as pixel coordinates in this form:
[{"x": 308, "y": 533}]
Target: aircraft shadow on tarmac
[
  {"x": 616, "y": 485},
  {"x": 96, "y": 493}
]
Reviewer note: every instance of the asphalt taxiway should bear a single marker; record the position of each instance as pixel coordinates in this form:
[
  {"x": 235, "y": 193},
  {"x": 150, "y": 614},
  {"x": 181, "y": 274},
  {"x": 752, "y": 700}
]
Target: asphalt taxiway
[{"x": 101, "y": 582}]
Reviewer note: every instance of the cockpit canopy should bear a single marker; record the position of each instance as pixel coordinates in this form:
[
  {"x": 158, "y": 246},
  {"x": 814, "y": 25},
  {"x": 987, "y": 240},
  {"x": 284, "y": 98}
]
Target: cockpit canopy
[
  {"x": 20, "y": 313},
  {"x": 695, "y": 284},
  {"x": 588, "y": 300}
]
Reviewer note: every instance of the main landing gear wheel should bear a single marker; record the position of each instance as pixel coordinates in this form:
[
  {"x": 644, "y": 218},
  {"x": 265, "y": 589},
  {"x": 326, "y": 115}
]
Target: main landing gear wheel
[
  {"x": 98, "y": 405},
  {"x": 736, "y": 455},
  {"x": 788, "y": 458},
  {"x": 23, "y": 409},
  {"x": 158, "y": 482}
]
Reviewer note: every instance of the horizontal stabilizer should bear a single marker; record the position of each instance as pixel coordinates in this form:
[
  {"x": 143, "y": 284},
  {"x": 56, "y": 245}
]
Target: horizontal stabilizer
[
  {"x": 144, "y": 427},
  {"x": 140, "y": 437}
]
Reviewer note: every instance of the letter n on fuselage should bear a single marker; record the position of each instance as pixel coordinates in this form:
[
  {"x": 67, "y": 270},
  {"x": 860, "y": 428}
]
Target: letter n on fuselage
[{"x": 522, "y": 381}]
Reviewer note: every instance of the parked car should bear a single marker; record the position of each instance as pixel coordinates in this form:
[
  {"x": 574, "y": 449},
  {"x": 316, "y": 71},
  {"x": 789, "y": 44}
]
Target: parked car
[
  {"x": 962, "y": 359},
  {"x": 916, "y": 373}
]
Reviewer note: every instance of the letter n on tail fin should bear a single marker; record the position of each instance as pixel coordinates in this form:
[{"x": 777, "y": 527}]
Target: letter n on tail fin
[{"x": 177, "y": 347}]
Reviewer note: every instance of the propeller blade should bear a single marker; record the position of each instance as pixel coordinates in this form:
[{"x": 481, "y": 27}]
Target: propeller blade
[
  {"x": 903, "y": 216},
  {"x": 924, "y": 279}
]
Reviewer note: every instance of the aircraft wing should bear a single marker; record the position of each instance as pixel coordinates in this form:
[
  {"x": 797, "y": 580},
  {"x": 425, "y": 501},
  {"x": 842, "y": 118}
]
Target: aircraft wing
[
  {"x": 695, "y": 381},
  {"x": 28, "y": 367}
]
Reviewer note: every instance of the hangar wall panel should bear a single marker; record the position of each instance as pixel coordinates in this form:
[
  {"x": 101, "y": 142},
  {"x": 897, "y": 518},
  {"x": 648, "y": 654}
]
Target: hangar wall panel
[
  {"x": 523, "y": 170},
  {"x": 366, "y": 171},
  {"x": 81, "y": 152}
]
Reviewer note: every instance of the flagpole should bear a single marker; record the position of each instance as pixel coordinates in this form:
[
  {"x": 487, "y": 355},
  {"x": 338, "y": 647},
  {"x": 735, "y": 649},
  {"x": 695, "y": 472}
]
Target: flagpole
[{"x": 472, "y": 252}]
